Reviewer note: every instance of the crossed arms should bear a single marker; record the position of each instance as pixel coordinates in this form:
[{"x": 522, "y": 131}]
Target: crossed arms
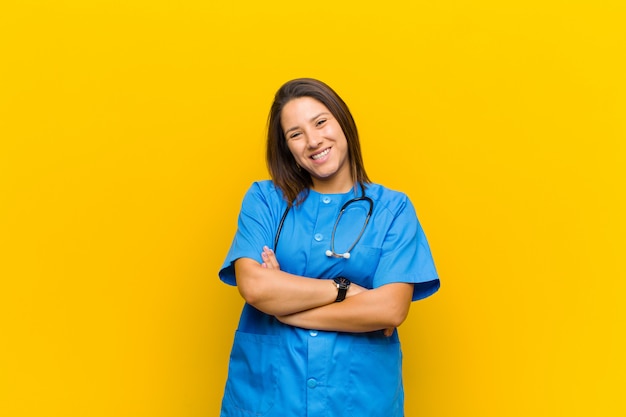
[{"x": 310, "y": 302}]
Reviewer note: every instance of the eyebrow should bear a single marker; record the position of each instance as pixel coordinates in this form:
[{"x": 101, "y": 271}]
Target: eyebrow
[{"x": 312, "y": 119}]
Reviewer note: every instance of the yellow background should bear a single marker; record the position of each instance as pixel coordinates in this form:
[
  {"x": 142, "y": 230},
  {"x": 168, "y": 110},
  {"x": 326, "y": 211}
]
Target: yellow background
[{"x": 129, "y": 131}]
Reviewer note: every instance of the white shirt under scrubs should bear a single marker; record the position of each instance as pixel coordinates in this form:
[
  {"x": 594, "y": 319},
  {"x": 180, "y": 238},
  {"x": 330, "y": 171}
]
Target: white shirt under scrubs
[{"x": 277, "y": 370}]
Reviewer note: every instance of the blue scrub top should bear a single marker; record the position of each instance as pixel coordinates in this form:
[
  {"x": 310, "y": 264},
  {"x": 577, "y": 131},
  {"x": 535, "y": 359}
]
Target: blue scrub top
[{"x": 280, "y": 370}]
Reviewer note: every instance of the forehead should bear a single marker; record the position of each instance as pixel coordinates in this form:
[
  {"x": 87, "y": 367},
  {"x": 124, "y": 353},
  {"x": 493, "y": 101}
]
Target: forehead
[{"x": 301, "y": 109}]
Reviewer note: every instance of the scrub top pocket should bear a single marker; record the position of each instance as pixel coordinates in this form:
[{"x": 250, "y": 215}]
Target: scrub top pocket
[
  {"x": 252, "y": 387},
  {"x": 375, "y": 381},
  {"x": 361, "y": 266}
]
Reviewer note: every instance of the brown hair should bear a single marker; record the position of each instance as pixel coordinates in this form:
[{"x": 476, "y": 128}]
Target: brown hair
[{"x": 280, "y": 162}]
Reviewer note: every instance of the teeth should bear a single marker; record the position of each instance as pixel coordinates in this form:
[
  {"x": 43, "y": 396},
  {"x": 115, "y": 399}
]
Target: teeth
[{"x": 321, "y": 154}]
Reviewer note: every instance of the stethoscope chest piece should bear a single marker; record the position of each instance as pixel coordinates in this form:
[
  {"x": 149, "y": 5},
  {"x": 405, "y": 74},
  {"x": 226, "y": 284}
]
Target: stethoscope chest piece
[
  {"x": 331, "y": 253},
  {"x": 346, "y": 255}
]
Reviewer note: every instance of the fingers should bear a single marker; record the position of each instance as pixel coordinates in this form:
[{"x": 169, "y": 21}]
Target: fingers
[
  {"x": 389, "y": 331},
  {"x": 269, "y": 259}
]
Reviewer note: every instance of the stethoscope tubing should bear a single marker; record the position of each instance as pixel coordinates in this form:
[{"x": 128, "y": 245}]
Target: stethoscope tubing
[
  {"x": 331, "y": 252},
  {"x": 346, "y": 254}
]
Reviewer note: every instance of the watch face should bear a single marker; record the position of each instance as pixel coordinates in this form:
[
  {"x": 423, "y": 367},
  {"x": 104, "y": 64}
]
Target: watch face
[{"x": 342, "y": 282}]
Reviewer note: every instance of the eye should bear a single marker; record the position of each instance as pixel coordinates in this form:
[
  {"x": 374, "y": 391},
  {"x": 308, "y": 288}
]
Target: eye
[
  {"x": 320, "y": 122},
  {"x": 295, "y": 135}
]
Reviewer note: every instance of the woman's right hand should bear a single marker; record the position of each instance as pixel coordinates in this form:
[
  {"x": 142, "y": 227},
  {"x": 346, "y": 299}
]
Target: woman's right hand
[
  {"x": 269, "y": 259},
  {"x": 270, "y": 262}
]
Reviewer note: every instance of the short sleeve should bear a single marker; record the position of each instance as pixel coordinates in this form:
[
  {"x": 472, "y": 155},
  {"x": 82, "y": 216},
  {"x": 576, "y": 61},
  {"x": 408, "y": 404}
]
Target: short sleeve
[
  {"x": 255, "y": 228},
  {"x": 406, "y": 255}
]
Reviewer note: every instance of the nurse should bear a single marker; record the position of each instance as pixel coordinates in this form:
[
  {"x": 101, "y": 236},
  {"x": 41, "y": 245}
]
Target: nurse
[{"x": 328, "y": 264}]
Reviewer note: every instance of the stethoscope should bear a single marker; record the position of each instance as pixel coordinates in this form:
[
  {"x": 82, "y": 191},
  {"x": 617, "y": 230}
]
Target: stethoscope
[{"x": 331, "y": 252}]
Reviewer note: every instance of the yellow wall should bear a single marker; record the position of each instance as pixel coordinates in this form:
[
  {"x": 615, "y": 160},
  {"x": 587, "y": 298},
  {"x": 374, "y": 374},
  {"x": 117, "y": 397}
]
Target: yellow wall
[{"x": 130, "y": 130}]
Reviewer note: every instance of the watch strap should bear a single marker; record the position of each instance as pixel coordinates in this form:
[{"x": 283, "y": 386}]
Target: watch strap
[{"x": 343, "y": 284}]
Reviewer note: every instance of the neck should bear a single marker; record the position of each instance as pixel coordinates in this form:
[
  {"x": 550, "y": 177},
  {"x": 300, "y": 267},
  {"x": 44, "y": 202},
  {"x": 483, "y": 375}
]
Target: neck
[{"x": 323, "y": 187}]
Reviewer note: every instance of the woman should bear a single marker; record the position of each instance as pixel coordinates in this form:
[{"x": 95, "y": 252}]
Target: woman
[{"x": 328, "y": 264}]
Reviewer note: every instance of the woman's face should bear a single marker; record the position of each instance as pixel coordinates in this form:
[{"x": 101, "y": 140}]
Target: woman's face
[{"x": 318, "y": 144}]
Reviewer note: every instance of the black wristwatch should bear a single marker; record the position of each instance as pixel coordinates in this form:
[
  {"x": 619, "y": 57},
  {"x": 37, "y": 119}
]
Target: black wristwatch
[{"x": 342, "y": 287}]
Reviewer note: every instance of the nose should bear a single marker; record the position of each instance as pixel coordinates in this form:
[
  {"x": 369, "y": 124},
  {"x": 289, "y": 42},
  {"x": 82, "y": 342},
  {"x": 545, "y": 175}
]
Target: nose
[{"x": 314, "y": 139}]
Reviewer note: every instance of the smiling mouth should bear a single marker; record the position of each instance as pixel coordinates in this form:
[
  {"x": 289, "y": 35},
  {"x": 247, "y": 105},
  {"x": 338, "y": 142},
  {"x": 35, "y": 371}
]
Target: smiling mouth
[{"x": 321, "y": 154}]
